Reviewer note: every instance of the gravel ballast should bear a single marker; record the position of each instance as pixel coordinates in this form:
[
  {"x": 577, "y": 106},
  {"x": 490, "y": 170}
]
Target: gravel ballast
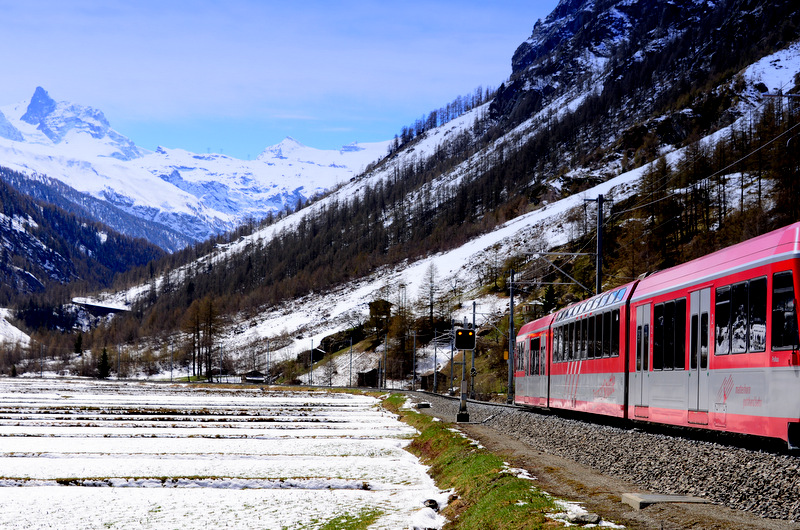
[{"x": 764, "y": 483}]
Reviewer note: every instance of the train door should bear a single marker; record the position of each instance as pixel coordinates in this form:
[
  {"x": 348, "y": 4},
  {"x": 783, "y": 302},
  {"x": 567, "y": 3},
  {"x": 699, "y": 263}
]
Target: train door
[
  {"x": 700, "y": 306},
  {"x": 533, "y": 388},
  {"x": 641, "y": 373},
  {"x": 544, "y": 379}
]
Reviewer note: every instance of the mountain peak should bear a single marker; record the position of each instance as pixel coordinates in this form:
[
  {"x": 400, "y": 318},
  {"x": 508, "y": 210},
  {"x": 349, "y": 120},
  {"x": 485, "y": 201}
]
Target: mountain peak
[
  {"x": 57, "y": 119},
  {"x": 41, "y": 106},
  {"x": 290, "y": 142},
  {"x": 281, "y": 150}
]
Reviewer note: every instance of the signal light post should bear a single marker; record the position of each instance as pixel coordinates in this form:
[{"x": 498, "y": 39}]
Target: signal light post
[{"x": 464, "y": 340}]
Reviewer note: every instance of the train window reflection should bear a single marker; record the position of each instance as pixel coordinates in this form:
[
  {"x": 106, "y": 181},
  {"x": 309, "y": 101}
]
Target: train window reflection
[
  {"x": 738, "y": 328},
  {"x": 784, "y": 313},
  {"x": 722, "y": 321},
  {"x": 757, "y": 315}
]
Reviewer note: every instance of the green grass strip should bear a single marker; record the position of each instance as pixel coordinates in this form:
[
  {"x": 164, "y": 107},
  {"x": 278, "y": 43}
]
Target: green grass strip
[
  {"x": 360, "y": 521},
  {"x": 490, "y": 497}
]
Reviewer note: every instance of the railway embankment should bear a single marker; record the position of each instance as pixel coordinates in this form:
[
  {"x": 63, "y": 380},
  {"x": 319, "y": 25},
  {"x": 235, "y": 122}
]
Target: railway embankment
[{"x": 762, "y": 483}]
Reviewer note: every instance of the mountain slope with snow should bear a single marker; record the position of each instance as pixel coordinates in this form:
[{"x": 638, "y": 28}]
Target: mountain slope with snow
[{"x": 195, "y": 195}]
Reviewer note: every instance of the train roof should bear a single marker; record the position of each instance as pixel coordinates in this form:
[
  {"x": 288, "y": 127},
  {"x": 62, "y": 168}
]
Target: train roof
[
  {"x": 536, "y": 325},
  {"x": 783, "y": 243},
  {"x": 605, "y": 300}
]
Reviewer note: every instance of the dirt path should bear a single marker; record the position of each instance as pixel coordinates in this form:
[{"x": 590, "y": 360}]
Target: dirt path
[{"x": 602, "y": 494}]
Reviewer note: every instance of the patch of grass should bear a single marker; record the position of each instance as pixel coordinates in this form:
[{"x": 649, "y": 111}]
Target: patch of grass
[
  {"x": 360, "y": 521},
  {"x": 489, "y": 497}
]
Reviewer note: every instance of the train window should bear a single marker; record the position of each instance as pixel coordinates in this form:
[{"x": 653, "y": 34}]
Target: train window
[
  {"x": 669, "y": 336},
  {"x": 646, "y": 351},
  {"x": 556, "y": 338},
  {"x": 757, "y": 315},
  {"x": 598, "y": 335},
  {"x": 590, "y": 341},
  {"x": 520, "y": 355},
  {"x": 615, "y": 324},
  {"x": 584, "y": 337},
  {"x": 680, "y": 334},
  {"x": 693, "y": 351},
  {"x": 638, "y": 348},
  {"x": 543, "y": 359},
  {"x": 560, "y": 350},
  {"x": 534, "y": 355},
  {"x": 784, "y": 313},
  {"x": 607, "y": 334},
  {"x": 738, "y": 329},
  {"x": 620, "y": 295},
  {"x": 722, "y": 321},
  {"x": 571, "y": 341},
  {"x": 704, "y": 340},
  {"x": 658, "y": 337}
]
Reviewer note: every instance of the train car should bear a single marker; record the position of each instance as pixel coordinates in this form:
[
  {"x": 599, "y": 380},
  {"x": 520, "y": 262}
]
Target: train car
[
  {"x": 714, "y": 342},
  {"x": 587, "y": 371},
  {"x": 531, "y": 381},
  {"x": 581, "y": 362}
]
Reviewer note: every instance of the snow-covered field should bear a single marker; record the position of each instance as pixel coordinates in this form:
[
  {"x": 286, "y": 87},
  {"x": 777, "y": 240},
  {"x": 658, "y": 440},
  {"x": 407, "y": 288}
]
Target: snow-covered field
[{"x": 88, "y": 454}]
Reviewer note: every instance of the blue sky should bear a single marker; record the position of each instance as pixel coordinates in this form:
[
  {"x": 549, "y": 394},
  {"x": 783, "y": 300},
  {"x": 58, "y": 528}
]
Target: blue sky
[{"x": 236, "y": 76}]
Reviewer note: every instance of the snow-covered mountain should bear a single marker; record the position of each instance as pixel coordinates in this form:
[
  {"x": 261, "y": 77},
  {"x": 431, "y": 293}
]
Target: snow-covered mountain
[{"x": 194, "y": 195}]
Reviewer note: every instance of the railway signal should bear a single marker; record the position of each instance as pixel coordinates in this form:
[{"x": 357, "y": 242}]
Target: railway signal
[{"x": 465, "y": 339}]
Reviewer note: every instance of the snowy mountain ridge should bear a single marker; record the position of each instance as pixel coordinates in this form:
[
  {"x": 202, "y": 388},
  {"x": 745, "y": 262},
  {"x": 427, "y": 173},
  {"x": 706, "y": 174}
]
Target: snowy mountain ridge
[{"x": 195, "y": 195}]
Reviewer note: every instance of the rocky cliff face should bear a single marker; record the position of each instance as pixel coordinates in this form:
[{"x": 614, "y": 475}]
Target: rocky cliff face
[
  {"x": 56, "y": 120},
  {"x": 633, "y": 59}
]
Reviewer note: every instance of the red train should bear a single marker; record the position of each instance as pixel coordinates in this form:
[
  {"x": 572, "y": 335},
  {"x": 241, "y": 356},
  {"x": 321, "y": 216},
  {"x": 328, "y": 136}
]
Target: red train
[{"x": 712, "y": 343}]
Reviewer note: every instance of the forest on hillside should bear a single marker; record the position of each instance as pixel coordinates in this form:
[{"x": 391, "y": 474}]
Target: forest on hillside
[
  {"x": 711, "y": 197},
  {"x": 48, "y": 253}
]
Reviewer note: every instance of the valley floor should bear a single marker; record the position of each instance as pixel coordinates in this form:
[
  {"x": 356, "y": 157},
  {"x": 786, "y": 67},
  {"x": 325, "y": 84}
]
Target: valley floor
[{"x": 92, "y": 454}]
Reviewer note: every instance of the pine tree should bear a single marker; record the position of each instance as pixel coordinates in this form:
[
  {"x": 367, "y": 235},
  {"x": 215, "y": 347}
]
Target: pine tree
[{"x": 103, "y": 367}]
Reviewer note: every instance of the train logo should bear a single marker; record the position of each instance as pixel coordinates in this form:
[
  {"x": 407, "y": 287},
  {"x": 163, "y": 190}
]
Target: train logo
[
  {"x": 606, "y": 389},
  {"x": 725, "y": 389}
]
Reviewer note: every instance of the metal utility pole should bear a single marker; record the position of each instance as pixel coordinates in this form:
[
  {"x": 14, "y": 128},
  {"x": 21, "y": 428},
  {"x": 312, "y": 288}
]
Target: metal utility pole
[
  {"x": 599, "y": 255},
  {"x": 414, "y": 363},
  {"x": 452, "y": 347},
  {"x": 511, "y": 340},
  {"x": 435, "y": 364},
  {"x": 473, "y": 372},
  {"x": 385, "y": 356}
]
